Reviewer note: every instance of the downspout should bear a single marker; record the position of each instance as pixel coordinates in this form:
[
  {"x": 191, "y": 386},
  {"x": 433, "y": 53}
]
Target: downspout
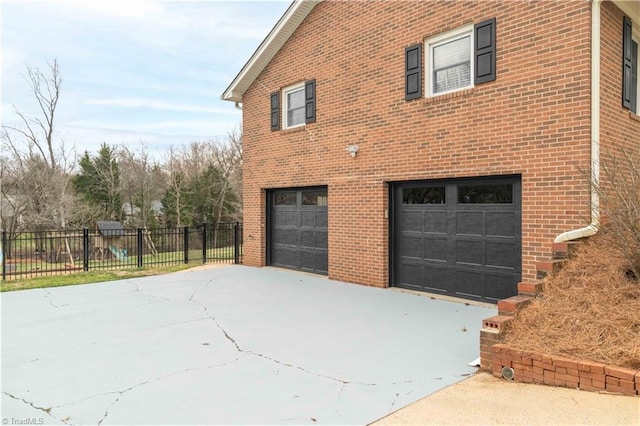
[
  {"x": 593, "y": 227},
  {"x": 238, "y": 105}
]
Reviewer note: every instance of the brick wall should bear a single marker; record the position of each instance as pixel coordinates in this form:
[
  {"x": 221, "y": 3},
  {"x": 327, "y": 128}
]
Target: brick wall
[
  {"x": 619, "y": 129},
  {"x": 531, "y": 367},
  {"x": 532, "y": 121}
]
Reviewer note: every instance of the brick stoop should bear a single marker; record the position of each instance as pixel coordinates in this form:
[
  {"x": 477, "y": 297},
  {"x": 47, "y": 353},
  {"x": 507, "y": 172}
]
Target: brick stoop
[
  {"x": 493, "y": 328},
  {"x": 529, "y": 367}
]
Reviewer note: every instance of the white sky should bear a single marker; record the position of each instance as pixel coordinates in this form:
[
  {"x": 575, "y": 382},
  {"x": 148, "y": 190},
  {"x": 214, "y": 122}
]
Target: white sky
[{"x": 133, "y": 71}]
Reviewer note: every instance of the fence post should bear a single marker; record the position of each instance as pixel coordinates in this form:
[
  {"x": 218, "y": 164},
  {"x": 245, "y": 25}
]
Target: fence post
[
  {"x": 204, "y": 243},
  {"x": 139, "y": 244},
  {"x": 85, "y": 249},
  {"x": 236, "y": 243},
  {"x": 4, "y": 255},
  {"x": 185, "y": 239}
]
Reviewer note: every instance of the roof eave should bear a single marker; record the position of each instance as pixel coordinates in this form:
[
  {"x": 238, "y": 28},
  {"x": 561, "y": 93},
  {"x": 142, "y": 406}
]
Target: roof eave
[
  {"x": 630, "y": 8},
  {"x": 292, "y": 18}
]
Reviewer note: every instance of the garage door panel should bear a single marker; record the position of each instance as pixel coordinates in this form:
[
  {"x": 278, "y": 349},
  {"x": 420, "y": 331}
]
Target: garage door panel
[
  {"x": 292, "y": 256},
  {"x": 298, "y": 229},
  {"x": 307, "y": 238},
  {"x": 469, "y": 283},
  {"x": 322, "y": 240},
  {"x": 411, "y": 220},
  {"x": 322, "y": 262},
  {"x": 307, "y": 260},
  {"x": 435, "y": 248},
  {"x": 308, "y": 218},
  {"x": 322, "y": 219},
  {"x": 499, "y": 286},
  {"x": 470, "y": 223},
  {"x": 470, "y": 252},
  {"x": 278, "y": 256},
  {"x": 411, "y": 246},
  {"x": 436, "y": 221},
  {"x": 411, "y": 275},
  {"x": 502, "y": 255},
  {"x": 501, "y": 223},
  {"x": 434, "y": 277},
  {"x": 467, "y": 245},
  {"x": 292, "y": 218},
  {"x": 278, "y": 236},
  {"x": 292, "y": 237}
]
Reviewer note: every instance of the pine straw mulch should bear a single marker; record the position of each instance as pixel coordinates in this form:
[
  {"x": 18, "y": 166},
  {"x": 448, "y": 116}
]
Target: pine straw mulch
[{"x": 588, "y": 310}]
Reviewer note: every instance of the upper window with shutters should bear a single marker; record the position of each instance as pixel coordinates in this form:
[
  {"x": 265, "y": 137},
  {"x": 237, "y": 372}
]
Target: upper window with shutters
[
  {"x": 630, "y": 65},
  {"x": 455, "y": 60},
  {"x": 298, "y": 106},
  {"x": 449, "y": 63}
]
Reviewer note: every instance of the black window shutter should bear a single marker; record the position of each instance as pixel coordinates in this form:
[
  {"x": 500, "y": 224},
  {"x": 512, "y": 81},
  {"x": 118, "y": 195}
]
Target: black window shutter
[
  {"x": 310, "y": 101},
  {"x": 275, "y": 111},
  {"x": 634, "y": 77},
  {"x": 485, "y": 51},
  {"x": 413, "y": 72},
  {"x": 627, "y": 76}
]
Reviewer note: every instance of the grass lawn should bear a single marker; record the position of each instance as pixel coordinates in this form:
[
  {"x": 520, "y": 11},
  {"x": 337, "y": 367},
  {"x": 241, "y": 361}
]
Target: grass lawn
[{"x": 86, "y": 277}]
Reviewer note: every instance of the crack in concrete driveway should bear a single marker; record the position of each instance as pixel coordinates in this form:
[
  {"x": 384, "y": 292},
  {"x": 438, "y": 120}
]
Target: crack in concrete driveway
[{"x": 285, "y": 348}]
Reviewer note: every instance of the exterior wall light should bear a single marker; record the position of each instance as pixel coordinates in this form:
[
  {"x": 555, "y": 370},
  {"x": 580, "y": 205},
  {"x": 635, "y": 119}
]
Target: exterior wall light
[{"x": 352, "y": 149}]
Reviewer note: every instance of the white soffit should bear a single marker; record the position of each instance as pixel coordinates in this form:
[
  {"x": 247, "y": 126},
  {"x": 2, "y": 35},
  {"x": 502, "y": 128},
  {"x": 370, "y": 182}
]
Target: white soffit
[
  {"x": 278, "y": 36},
  {"x": 631, "y": 8}
]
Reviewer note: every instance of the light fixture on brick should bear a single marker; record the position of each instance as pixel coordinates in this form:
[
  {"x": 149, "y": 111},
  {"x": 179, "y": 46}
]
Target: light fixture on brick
[{"x": 353, "y": 150}]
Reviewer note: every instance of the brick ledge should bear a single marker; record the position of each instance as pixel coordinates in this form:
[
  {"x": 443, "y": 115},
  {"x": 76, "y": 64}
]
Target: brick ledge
[{"x": 531, "y": 367}]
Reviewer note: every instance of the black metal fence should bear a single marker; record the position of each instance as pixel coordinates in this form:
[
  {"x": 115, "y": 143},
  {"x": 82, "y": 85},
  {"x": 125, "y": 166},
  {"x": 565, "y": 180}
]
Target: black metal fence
[{"x": 30, "y": 254}]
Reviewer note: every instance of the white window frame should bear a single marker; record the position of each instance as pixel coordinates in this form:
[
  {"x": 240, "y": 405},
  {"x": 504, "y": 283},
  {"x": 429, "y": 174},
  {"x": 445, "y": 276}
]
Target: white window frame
[
  {"x": 435, "y": 41},
  {"x": 285, "y": 104}
]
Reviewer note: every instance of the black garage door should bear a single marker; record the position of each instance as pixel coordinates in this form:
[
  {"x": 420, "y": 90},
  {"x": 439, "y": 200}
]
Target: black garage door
[
  {"x": 298, "y": 229},
  {"x": 458, "y": 237}
]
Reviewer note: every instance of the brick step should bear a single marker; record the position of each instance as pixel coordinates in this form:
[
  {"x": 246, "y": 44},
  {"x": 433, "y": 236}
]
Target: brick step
[
  {"x": 512, "y": 304},
  {"x": 529, "y": 288},
  {"x": 497, "y": 322},
  {"x": 564, "y": 250},
  {"x": 547, "y": 268}
]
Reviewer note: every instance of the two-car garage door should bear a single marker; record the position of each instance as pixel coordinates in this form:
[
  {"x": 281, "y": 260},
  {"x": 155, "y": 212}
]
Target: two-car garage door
[{"x": 458, "y": 237}]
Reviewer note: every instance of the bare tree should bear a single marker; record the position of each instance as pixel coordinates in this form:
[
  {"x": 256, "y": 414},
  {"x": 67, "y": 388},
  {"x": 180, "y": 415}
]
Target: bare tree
[
  {"x": 228, "y": 159},
  {"x": 41, "y": 165}
]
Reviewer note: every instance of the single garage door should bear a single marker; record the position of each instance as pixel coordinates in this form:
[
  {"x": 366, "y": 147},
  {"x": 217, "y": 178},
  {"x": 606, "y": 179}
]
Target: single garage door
[
  {"x": 458, "y": 237},
  {"x": 298, "y": 229}
]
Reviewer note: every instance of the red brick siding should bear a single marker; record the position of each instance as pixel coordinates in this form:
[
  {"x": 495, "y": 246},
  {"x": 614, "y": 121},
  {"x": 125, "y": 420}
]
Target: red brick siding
[
  {"x": 533, "y": 120},
  {"x": 530, "y": 367},
  {"x": 618, "y": 128}
]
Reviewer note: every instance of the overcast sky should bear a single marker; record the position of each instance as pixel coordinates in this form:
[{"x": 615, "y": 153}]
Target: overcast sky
[{"x": 133, "y": 71}]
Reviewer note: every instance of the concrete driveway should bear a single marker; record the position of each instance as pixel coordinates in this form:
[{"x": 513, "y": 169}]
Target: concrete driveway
[{"x": 228, "y": 345}]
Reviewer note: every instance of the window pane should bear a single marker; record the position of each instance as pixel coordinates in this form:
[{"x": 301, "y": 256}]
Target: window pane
[
  {"x": 429, "y": 195},
  {"x": 295, "y": 99},
  {"x": 314, "y": 198},
  {"x": 295, "y": 107},
  {"x": 295, "y": 117},
  {"x": 485, "y": 194},
  {"x": 452, "y": 53},
  {"x": 452, "y": 65},
  {"x": 284, "y": 199},
  {"x": 452, "y": 78}
]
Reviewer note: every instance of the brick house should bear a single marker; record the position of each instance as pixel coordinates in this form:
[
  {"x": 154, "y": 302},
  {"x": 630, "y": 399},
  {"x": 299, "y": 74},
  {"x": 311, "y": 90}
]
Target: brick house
[{"x": 433, "y": 145}]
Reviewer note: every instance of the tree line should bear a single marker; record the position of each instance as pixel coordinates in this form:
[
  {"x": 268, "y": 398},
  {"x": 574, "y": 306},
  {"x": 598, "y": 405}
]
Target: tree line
[{"x": 45, "y": 185}]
